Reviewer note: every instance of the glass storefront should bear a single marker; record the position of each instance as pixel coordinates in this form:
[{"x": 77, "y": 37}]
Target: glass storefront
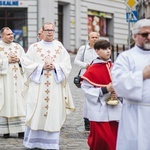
[
  {"x": 97, "y": 22},
  {"x": 16, "y": 19}
]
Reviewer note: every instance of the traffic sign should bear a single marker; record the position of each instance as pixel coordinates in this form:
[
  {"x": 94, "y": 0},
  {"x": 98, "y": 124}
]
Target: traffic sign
[
  {"x": 131, "y": 3},
  {"x": 132, "y": 16}
]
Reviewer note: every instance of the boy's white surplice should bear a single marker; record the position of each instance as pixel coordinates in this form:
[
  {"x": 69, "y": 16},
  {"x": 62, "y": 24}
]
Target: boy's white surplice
[
  {"x": 46, "y": 104},
  {"x": 128, "y": 82},
  {"x": 98, "y": 110}
]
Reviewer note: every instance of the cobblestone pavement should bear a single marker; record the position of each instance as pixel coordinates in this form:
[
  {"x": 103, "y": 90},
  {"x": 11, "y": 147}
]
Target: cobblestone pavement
[{"x": 73, "y": 136}]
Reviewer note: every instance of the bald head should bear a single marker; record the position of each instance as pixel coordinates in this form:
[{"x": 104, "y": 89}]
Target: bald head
[
  {"x": 92, "y": 38},
  {"x": 93, "y": 33}
]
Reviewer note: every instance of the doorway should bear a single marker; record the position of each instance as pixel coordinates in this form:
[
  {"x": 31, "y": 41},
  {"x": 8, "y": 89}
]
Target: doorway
[{"x": 60, "y": 23}]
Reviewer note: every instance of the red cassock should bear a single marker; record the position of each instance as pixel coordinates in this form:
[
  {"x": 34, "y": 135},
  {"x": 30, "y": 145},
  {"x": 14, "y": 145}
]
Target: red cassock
[{"x": 102, "y": 135}]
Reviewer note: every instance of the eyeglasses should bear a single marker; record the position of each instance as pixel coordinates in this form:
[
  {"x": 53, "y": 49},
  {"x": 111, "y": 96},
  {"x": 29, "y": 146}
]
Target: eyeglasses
[
  {"x": 144, "y": 35},
  {"x": 49, "y": 30}
]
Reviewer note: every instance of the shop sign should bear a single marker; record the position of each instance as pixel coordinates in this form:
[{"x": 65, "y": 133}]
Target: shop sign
[
  {"x": 99, "y": 14},
  {"x": 9, "y": 3}
]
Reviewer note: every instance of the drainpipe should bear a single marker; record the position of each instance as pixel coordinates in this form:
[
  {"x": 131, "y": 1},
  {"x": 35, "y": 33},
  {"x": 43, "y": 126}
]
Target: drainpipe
[
  {"x": 77, "y": 25},
  {"x": 37, "y": 15}
]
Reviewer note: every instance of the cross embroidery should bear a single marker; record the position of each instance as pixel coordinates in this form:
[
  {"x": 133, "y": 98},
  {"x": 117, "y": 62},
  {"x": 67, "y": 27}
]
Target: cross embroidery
[
  {"x": 39, "y": 49},
  {"x": 52, "y": 59},
  {"x": 10, "y": 49},
  {"x": 47, "y": 74},
  {"x": 15, "y": 76},
  {"x": 35, "y": 45},
  {"x": 46, "y": 107},
  {"x": 1, "y": 48},
  {"x": 5, "y": 53},
  {"x": 47, "y": 83},
  {"x": 57, "y": 51},
  {"x": 16, "y": 47},
  {"x": 60, "y": 47},
  {"x": 42, "y": 55},
  {"x": 47, "y": 91},
  {"x": 47, "y": 99},
  {"x": 48, "y": 52},
  {"x": 15, "y": 68},
  {"x": 45, "y": 115}
]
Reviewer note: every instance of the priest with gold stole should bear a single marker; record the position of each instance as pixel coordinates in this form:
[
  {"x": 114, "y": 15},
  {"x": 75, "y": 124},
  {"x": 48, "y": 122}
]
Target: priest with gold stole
[{"x": 47, "y": 65}]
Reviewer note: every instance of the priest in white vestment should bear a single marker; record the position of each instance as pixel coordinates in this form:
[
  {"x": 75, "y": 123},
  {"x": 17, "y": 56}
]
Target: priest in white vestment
[
  {"x": 12, "y": 104},
  {"x": 47, "y": 65},
  {"x": 131, "y": 80}
]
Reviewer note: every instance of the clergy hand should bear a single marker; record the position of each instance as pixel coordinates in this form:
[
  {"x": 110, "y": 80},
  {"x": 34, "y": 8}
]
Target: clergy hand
[
  {"x": 113, "y": 95},
  {"x": 110, "y": 87},
  {"x": 12, "y": 58},
  {"x": 146, "y": 72},
  {"x": 48, "y": 66},
  {"x": 87, "y": 66}
]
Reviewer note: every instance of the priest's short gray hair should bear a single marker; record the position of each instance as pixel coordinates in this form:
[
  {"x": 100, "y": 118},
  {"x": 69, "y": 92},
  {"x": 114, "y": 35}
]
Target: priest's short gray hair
[{"x": 140, "y": 24}]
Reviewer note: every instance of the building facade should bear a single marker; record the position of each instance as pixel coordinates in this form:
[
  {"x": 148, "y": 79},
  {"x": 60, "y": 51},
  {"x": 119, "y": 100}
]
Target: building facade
[
  {"x": 73, "y": 20},
  {"x": 143, "y": 8}
]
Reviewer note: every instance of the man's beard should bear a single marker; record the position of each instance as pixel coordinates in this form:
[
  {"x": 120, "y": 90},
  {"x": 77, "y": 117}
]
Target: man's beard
[{"x": 146, "y": 46}]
